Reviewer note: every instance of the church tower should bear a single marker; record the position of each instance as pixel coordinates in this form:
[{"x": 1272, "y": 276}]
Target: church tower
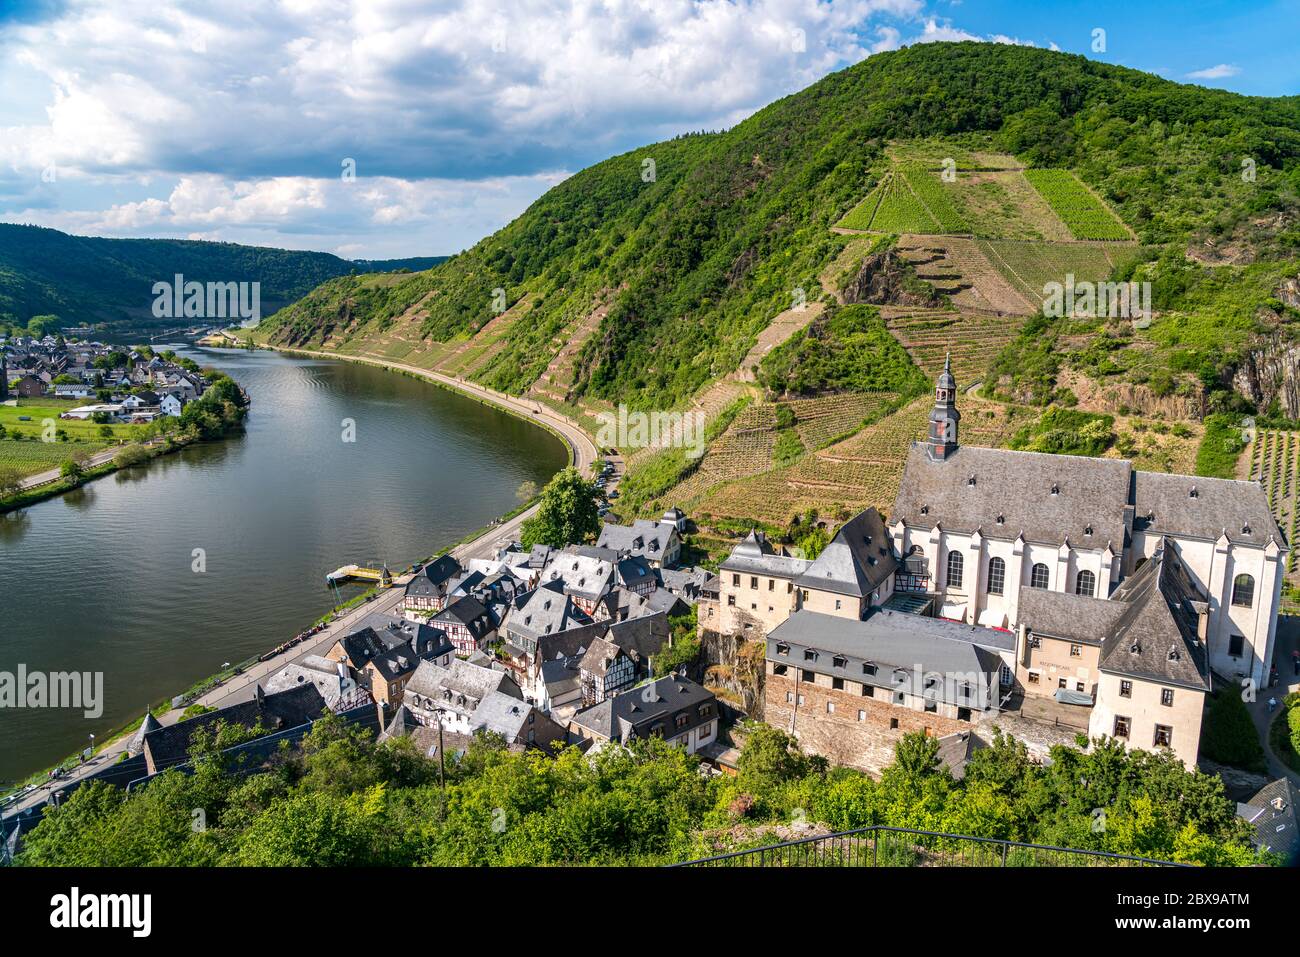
[{"x": 941, "y": 441}]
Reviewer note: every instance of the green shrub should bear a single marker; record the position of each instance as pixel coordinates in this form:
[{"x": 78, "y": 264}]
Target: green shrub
[{"x": 1229, "y": 736}]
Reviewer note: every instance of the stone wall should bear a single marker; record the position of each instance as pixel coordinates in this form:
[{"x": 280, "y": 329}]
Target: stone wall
[{"x": 867, "y": 745}]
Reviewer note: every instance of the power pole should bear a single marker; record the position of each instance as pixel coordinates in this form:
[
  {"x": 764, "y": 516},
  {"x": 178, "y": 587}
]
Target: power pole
[{"x": 442, "y": 783}]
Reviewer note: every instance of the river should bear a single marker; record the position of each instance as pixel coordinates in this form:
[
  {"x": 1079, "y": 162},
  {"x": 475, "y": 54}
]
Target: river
[{"x": 103, "y": 579}]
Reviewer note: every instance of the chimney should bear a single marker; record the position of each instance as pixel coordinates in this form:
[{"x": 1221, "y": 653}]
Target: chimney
[{"x": 1202, "y": 609}]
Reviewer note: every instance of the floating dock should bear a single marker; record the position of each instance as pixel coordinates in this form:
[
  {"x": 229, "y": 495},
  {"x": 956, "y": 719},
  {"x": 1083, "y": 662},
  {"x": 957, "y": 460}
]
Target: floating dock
[{"x": 382, "y": 576}]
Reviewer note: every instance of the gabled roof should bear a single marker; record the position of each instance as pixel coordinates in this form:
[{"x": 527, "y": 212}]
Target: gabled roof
[
  {"x": 859, "y": 558},
  {"x": 1204, "y": 508},
  {"x": 1274, "y": 813},
  {"x": 468, "y": 611},
  {"x": 169, "y": 745},
  {"x": 634, "y": 712},
  {"x": 461, "y": 678},
  {"x": 433, "y": 576},
  {"x": 755, "y": 555},
  {"x": 600, "y": 656},
  {"x": 1155, "y": 638},
  {"x": 545, "y": 610},
  {"x": 1017, "y": 487},
  {"x": 1070, "y": 617}
]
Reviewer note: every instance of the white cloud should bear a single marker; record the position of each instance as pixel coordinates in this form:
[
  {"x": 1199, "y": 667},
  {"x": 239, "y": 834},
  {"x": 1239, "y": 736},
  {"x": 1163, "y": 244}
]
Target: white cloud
[
  {"x": 171, "y": 117},
  {"x": 1220, "y": 72}
]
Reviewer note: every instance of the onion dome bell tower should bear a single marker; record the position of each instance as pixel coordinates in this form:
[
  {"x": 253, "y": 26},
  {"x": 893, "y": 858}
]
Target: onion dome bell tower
[{"x": 941, "y": 441}]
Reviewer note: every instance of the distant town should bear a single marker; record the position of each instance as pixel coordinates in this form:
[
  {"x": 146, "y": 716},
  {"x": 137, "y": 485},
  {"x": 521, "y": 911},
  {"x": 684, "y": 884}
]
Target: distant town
[{"x": 129, "y": 386}]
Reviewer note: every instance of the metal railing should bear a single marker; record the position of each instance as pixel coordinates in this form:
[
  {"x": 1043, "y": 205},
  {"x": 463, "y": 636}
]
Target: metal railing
[{"x": 881, "y": 846}]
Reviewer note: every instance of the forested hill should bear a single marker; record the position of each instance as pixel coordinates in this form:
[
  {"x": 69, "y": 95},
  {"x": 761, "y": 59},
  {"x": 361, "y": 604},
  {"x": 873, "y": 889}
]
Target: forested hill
[
  {"x": 653, "y": 272},
  {"x": 85, "y": 280}
]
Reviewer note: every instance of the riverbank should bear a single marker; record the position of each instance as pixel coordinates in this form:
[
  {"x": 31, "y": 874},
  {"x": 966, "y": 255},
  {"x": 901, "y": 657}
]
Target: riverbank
[
  {"x": 212, "y": 420},
  {"x": 233, "y": 683},
  {"x": 582, "y": 446}
]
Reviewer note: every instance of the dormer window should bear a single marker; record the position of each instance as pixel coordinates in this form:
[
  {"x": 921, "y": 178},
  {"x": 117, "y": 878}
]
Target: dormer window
[
  {"x": 782, "y": 649},
  {"x": 1192, "y": 493},
  {"x": 1087, "y": 530},
  {"x": 1056, "y": 489},
  {"x": 839, "y": 661},
  {"x": 971, "y": 480},
  {"x": 1245, "y": 528},
  {"x": 1002, "y": 519},
  {"x": 925, "y": 509}
]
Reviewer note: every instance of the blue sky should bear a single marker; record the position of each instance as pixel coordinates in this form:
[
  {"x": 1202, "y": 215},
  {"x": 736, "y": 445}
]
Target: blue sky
[{"x": 238, "y": 120}]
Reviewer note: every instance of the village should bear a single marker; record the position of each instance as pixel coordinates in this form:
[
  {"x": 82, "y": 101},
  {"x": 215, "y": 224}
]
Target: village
[
  {"x": 124, "y": 386},
  {"x": 1059, "y": 600}
]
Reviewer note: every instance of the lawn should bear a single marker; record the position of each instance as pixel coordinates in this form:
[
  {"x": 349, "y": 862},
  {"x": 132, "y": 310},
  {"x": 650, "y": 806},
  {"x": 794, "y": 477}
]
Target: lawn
[
  {"x": 38, "y": 410},
  {"x": 30, "y": 454}
]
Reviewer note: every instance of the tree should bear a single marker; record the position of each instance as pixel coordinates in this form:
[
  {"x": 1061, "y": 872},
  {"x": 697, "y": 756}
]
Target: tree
[
  {"x": 567, "y": 514},
  {"x": 10, "y": 482},
  {"x": 72, "y": 470}
]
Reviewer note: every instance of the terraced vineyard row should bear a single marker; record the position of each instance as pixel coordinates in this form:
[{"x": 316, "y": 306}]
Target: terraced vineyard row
[
  {"x": 860, "y": 471},
  {"x": 973, "y": 340},
  {"x": 709, "y": 402},
  {"x": 1087, "y": 216},
  {"x": 1029, "y": 267},
  {"x": 1273, "y": 463},
  {"x": 958, "y": 268},
  {"x": 819, "y": 421}
]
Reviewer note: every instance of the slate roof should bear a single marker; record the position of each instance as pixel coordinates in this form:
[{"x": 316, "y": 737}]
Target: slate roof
[
  {"x": 169, "y": 745},
  {"x": 641, "y": 637},
  {"x": 150, "y": 723},
  {"x": 1154, "y": 638},
  {"x": 1069, "y": 617},
  {"x": 632, "y": 713},
  {"x": 585, "y": 576},
  {"x": 686, "y": 582},
  {"x": 501, "y": 714},
  {"x": 545, "y": 610},
  {"x": 600, "y": 656},
  {"x": 643, "y": 538},
  {"x": 904, "y": 648},
  {"x": 955, "y": 751},
  {"x": 755, "y": 555},
  {"x": 460, "y": 678},
  {"x": 1017, "y": 486},
  {"x": 468, "y": 611},
  {"x": 1277, "y": 826},
  {"x": 858, "y": 559},
  {"x": 1165, "y": 504},
  {"x": 319, "y": 671}
]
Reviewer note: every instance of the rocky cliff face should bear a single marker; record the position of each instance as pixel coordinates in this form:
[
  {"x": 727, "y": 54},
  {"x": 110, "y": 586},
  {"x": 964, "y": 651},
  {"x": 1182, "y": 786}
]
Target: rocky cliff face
[
  {"x": 1271, "y": 371},
  {"x": 733, "y": 667},
  {"x": 886, "y": 279}
]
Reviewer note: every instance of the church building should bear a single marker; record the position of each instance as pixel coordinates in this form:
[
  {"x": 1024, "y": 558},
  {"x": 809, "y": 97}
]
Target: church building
[{"x": 1081, "y": 582}]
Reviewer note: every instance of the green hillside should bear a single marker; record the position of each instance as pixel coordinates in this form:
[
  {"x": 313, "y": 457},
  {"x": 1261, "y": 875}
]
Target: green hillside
[
  {"x": 693, "y": 263},
  {"x": 88, "y": 280}
]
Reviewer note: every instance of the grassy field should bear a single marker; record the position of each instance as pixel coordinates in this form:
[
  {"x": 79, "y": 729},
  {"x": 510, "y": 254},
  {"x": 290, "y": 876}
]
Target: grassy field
[
  {"x": 30, "y": 454},
  {"x": 40, "y": 410}
]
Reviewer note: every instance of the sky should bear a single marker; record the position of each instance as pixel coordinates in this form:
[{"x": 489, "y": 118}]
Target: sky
[{"x": 392, "y": 128}]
